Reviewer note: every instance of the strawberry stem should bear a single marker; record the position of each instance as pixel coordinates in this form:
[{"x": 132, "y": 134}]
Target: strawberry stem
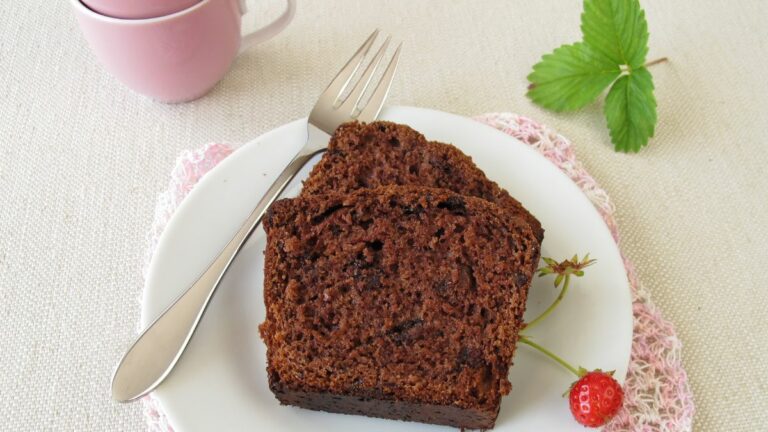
[
  {"x": 551, "y": 307},
  {"x": 655, "y": 62},
  {"x": 550, "y": 354},
  {"x": 647, "y": 65}
]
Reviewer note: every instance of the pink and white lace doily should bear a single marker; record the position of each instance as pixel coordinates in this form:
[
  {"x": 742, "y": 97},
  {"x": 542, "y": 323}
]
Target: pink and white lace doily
[{"x": 657, "y": 394}]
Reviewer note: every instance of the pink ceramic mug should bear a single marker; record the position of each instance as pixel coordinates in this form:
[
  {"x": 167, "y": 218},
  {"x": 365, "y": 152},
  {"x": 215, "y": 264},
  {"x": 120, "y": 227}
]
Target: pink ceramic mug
[
  {"x": 138, "y": 9},
  {"x": 177, "y": 57}
]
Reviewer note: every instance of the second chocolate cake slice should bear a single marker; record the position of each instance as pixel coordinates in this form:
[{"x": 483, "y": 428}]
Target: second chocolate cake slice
[
  {"x": 384, "y": 153},
  {"x": 395, "y": 302}
]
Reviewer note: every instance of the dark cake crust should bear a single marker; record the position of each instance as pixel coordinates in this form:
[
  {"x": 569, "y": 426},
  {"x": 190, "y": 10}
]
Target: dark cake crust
[
  {"x": 382, "y": 153},
  {"x": 393, "y": 409},
  {"x": 399, "y": 302}
]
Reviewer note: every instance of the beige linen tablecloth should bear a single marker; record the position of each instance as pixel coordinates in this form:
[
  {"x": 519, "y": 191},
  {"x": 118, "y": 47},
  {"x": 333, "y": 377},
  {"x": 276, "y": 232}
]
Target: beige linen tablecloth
[{"x": 82, "y": 159}]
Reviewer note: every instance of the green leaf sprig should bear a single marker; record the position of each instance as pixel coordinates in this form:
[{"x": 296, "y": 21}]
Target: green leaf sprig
[{"x": 613, "y": 51}]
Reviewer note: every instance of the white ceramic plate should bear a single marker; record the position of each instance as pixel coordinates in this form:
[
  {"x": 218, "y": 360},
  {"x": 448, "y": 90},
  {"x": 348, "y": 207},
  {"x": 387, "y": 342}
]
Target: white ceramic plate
[{"x": 220, "y": 383}]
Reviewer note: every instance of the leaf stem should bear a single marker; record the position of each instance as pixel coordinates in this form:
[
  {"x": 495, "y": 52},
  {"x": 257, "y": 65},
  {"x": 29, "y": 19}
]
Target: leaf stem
[
  {"x": 551, "y": 307},
  {"x": 550, "y": 354},
  {"x": 628, "y": 69},
  {"x": 655, "y": 62}
]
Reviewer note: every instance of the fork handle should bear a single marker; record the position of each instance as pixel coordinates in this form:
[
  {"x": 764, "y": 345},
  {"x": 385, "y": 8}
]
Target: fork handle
[{"x": 154, "y": 354}]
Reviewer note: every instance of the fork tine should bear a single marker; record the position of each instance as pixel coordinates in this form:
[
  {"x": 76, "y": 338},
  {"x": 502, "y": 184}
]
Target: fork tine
[
  {"x": 373, "y": 107},
  {"x": 356, "y": 94},
  {"x": 340, "y": 82}
]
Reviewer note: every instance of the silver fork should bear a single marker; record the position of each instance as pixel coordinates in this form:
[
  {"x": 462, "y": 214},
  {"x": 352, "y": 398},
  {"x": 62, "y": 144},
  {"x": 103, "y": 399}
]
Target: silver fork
[{"x": 154, "y": 354}]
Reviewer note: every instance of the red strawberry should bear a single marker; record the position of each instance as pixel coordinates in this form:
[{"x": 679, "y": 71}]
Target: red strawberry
[{"x": 595, "y": 398}]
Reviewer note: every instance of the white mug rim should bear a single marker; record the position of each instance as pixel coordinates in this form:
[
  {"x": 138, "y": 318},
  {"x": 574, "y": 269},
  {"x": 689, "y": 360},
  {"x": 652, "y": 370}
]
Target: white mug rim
[{"x": 82, "y": 8}]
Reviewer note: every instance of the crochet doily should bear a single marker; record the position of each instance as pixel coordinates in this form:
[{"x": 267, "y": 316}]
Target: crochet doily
[{"x": 657, "y": 394}]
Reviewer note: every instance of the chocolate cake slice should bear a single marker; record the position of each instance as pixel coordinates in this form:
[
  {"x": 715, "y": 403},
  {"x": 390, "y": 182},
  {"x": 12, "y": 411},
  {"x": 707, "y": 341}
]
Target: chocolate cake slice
[
  {"x": 399, "y": 302},
  {"x": 384, "y": 153}
]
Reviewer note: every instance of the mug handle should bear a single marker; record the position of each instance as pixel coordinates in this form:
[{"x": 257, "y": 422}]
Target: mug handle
[{"x": 270, "y": 30}]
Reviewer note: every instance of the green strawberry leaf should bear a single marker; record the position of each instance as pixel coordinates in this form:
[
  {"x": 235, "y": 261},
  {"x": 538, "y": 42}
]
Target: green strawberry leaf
[
  {"x": 614, "y": 45},
  {"x": 630, "y": 109},
  {"x": 616, "y": 30},
  {"x": 570, "y": 77}
]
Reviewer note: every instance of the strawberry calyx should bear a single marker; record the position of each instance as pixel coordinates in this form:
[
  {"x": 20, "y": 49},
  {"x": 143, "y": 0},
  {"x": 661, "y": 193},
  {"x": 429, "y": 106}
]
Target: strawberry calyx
[{"x": 564, "y": 270}]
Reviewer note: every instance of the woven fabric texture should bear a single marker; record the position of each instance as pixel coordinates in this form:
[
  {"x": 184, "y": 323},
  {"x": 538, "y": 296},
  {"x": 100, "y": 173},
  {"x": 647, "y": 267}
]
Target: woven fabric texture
[{"x": 82, "y": 160}]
